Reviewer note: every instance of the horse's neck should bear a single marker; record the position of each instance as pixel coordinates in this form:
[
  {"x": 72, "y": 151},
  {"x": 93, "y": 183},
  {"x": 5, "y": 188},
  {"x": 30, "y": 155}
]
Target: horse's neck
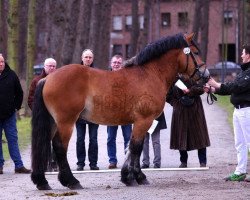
[{"x": 165, "y": 71}]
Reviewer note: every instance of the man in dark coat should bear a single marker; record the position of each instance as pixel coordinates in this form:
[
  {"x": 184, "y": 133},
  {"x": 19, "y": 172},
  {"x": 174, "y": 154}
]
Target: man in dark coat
[
  {"x": 239, "y": 89},
  {"x": 188, "y": 128},
  {"x": 11, "y": 97},
  {"x": 49, "y": 67}
]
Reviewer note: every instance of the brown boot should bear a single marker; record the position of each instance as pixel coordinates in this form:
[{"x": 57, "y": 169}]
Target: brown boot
[
  {"x": 22, "y": 170},
  {"x": 112, "y": 166},
  {"x": 1, "y": 170}
]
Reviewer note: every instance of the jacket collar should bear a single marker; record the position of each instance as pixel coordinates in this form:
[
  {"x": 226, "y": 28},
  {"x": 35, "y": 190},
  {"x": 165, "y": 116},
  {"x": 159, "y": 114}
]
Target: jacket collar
[{"x": 245, "y": 66}]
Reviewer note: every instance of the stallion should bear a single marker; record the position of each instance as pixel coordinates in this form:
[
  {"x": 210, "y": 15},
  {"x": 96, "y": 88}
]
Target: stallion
[{"x": 133, "y": 95}]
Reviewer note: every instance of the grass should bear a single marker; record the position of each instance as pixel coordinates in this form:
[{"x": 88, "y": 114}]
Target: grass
[
  {"x": 224, "y": 102},
  {"x": 24, "y": 136}
]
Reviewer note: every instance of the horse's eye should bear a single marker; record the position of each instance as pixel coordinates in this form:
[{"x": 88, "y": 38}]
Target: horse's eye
[{"x": 196, "y": 53}]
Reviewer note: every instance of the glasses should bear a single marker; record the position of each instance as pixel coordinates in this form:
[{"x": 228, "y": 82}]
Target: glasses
[
  {"x": 51, "y": 66},
  {"x": 117, "y": 62}
]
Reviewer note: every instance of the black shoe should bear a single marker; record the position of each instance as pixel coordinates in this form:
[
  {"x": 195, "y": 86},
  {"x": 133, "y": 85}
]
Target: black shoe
[
  {"x": 94, "y": 168},
  {"x": 157, "y": 166},
  {"x": 80, "y": 168},
  {"x": 203, "y": 165},
  {"x": 1, "y": 170},
  {"x": 144, "y": 166},
  {"x": 183, "y": 165}
]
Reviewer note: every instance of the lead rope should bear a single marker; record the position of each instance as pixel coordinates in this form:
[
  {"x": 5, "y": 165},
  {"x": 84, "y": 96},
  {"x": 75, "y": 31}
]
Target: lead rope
[{"x": 211, "y": 98}]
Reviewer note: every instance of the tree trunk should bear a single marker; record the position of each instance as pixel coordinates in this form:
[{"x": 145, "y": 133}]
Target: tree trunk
[
  {"x": 58, "y": 10},
  {"x": 144, "y": 37},
  {"x": 13, "y": 33},
  {"x": 42, "y": 27},
  {"x": 99, "y": 38},
  {"x": 204, "y": 29},
  {"x": 82, "y": 30},
  {"x": 69, "y": 40},
  {"x": 201, "y": 25},
  {"x": 3, "y": 27},
  {"x": 197, "y": 19},
  {"x": 22, "y": 44},
  {"x": 31, "y": 43},
  {"x": 135, "y": 29}
]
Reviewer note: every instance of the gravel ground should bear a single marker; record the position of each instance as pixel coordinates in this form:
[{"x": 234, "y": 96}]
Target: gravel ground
[{"x": 166, "y": 183}]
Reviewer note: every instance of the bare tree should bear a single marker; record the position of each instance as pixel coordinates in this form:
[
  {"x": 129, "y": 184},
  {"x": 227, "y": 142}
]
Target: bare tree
[
  {"x": 99, "y": 36},
  {"x": 69, "y": 40},
  {"x": 13, "y": 35},
  {"x": 42, "y": 26},
  {"x": 135, "y": 31},
  {"x": 201, "y": 24},
  {"x": 144, "y": 35},
  {"x": 3, "y": 27},
  {"x": 58, "y": 20},
  {"x": 22, "y": 44},
  {"x": 82, "y": 30}
]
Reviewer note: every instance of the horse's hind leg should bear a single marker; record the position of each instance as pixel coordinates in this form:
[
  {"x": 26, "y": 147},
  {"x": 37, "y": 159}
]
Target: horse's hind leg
[{"x": 60, "y": 146}]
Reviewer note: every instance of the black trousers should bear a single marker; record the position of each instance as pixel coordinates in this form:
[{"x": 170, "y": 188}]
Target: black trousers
[{"x": 202, "y": 155}]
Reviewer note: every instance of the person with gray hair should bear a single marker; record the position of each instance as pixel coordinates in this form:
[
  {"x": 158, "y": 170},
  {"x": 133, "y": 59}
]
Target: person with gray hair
[{"x": 49, "y": 67}]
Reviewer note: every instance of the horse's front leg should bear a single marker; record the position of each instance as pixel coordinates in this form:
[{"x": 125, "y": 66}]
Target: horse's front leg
[
  {"x": 60, "y": 145},
  {"x": 131, "y": 170}
]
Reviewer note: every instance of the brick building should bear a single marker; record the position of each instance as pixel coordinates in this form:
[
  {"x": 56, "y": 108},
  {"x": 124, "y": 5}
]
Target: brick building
[{"x": 169, "y": 17}]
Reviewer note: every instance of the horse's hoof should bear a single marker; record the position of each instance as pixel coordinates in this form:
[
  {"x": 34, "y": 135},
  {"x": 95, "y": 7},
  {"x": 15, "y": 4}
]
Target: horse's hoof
[
  {"x": 143, "y": 182},
  {"x": 76, "y": 186},
  {"x": 44, "y": 187},
  {"x": 130, "y": 183}
]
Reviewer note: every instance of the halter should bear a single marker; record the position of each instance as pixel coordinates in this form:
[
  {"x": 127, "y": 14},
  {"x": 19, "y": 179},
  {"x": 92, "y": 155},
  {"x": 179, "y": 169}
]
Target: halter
[
  {"x": 188, "y": 53},
  {"x": 210, "y": 97}
]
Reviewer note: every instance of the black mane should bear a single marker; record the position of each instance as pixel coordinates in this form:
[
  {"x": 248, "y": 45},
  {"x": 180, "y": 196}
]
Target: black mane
[{"x": 158, "y": 48}]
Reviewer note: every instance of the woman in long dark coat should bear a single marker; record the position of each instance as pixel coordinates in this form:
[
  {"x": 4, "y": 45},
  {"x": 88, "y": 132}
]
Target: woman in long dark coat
[{"x": 188, "y": 127}]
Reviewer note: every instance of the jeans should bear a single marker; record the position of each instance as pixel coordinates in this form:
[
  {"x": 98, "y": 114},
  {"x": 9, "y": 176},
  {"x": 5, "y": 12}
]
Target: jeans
[
  {"x": 80, "y": 143},
  {"x": 111, "y": 143},
  {"x": 10, "y": 129},
  {"x": 202, "y": 155},
  {"x": 241, "y": 118},
  {"x": 155, "y": 136}
]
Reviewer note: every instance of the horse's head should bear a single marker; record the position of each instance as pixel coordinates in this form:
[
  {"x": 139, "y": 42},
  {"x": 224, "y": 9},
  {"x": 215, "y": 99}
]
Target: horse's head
[{"x": 191, "y": 62}]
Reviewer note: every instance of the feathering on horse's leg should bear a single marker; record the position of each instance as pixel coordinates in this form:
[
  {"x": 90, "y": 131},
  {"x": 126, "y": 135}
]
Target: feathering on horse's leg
[
  {"x": 131, "y": 170},
  {"x": 42, "y": 123},
  {"x": 60, "y": 146}
]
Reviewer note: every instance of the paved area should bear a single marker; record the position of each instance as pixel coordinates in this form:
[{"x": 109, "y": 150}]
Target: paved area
[{"x": 164, "y": 184}]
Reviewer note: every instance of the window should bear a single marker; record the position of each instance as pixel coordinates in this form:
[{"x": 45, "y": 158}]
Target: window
[
  {"x": 117, "y": 23},
  {"x": 183, "y": 19},
  {"x": 117, "y": 49},
  {"x": 128, "y": 25},
  {"x": 141, "y": 21},
  {"x": 228, "y": 17},
  {"x": 165, "y": 20}
]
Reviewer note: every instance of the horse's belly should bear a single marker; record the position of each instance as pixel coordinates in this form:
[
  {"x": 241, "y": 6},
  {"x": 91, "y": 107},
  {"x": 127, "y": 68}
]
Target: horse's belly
[{"x": 107, "y": 117}]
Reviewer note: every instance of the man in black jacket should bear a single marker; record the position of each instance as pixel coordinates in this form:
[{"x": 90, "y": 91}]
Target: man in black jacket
[
  {"x": 239, "y": 89},
  {"x": 11, "y": 97}
]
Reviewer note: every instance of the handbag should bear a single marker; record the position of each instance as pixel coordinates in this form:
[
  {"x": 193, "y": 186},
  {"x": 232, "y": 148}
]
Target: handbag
[{"x": 187, "y": 100}]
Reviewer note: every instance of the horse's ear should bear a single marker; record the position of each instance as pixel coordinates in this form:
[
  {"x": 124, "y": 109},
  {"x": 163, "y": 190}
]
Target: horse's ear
[{"x": 190, "y": 36}]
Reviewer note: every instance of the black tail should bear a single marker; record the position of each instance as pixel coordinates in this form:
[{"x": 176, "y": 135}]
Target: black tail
[{"x": 42, "y": 123}]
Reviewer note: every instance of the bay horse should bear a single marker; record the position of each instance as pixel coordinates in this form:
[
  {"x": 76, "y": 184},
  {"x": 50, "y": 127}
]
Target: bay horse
[{"x": 133, "y": 95}]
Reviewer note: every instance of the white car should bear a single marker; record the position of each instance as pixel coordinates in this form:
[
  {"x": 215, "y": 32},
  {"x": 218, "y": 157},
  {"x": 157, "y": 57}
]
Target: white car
[{"x": 227, "y": 65}]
